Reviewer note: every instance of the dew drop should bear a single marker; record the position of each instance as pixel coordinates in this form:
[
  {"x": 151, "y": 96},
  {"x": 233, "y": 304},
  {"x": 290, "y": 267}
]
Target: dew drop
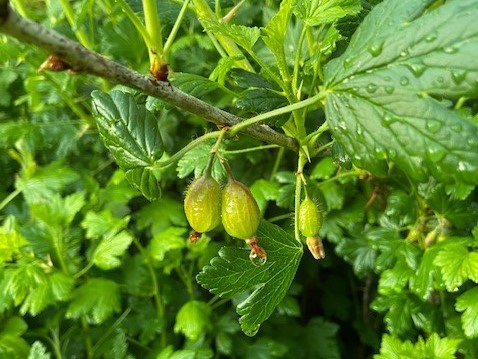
[
  {"x": 376, "y": 47},
  {"x": 389, "y": 89},
  {"x": 417, "y": 69},
  {"x": 357, "y": 158},
  {"x": 434, "y": 126},
  {"x": 251, "y": 333},
  {"x": 436, "y": 152},
  {"x": 450, "y": 49},
  {"x": 458, "y": 76},
  {"x": 457, "y": 128},
  {"x": 404, "y": 81},
  {"x": 392, "y": 154},
  {"x": 473, "y": 142},
  {"x": 257, "y": 259},
  {"x": 348, "y": 62},
  {"x": 371, "y": 88},
  {"x": 354, "y": 89},
  {"x": 342, "y": 125},
  {"x": 462, "y": 166},
  {"x": 431, "y": 37},
  {"x": 387, "y": 120},
  {"x": 380, "y": 153},
  {"x": 404, "y": 53}
]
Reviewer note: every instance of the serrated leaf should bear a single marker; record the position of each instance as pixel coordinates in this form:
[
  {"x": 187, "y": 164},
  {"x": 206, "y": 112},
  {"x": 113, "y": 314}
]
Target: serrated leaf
[
  {"x": 457, "y": 264},
  {"x": 193, "y": 319},
  {"x": 131, "y": 134},
  {"x": 144, "y": 180},
  {"x": 107, "y": 253},
  {"x": 244, "y": 36},
  {"x": 324, "y": 169},
  {"x": 263, "y": 100},
  {"x": 103, "y": 224},
  {"x": 275, "y": 34},
  {"x": 264, "y": 191},
  {"x": 321, "y": 337},
  {"x": 194, "y": 85},
  {"x": 315, "y": 13},
  {"x": 246, "y": 79},
  {"x": 422, "y": 284},
  {"x": 11, "y": 340},
  {"x": 10, "y": 242},
  {"x": 38, "y": 351},
  {"x": 45, "y": 182},
  {"x": 167, "y": 240},
  {"x": 196, "y": 161},
  {"x": 380, "y": 91},
  {"x": 468, "y": 303},
  {"x": 97, "y": 299},
  {"x": 395, "y": 279},
  {"x": 232, "y": 273}
]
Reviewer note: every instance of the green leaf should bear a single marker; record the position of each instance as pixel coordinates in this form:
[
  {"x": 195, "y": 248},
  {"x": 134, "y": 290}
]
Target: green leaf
[
  {"x": 245, "y": 79},
  {"x": 103, "y": 224},
  {"x": 110, "y": 248},
  {"x": 232, "y": 273},
  {"x": 427, "y": 272},
  {"x": 433, "y": 347},
  {"x": 38, "y": 351},
  {"x": 275, "y": 33},
  {"x": 468, "y": 303},
  {"x": 167, "y": 240},
  {"x": 97, "y": 299},
  {"x": 263, "y": 100},
  {"x": 196, "y": 161},
  {"x": 264, "y": 191},
  {"x": 324, "y": 169},
  {"x": 395, "y": 279},
  {"x": 194, "y": 85},
  {"x": 10, "y": 337},
  {"x": 162, "y": 214},
  {"x": 144, "y": 180},
  {"x": 131, "y": 134},
  {"x": 457, "y": 264},
  {"x": 315, "y": 13},
  {"x": 193, "y": 319},
  {"x": 321, "y": 339},
  {"x": 381, "y": 90},
  {"x": 244, "y": 36},
  {"x": 45, "y": 182},
  {"x": 334, "y": 195},
  {"x": 10, "y": 241}
]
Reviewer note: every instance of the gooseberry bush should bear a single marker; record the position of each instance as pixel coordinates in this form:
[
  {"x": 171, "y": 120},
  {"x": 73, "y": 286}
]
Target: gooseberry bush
[{"x": 167, "y": 166}]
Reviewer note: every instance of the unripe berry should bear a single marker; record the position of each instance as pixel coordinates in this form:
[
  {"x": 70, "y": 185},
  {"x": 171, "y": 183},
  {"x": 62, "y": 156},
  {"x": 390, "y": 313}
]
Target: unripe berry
[
  {"x": 310, "y": 218},
  {"x": 203, "y": 204},
  {"x": 240, "y": 212}
]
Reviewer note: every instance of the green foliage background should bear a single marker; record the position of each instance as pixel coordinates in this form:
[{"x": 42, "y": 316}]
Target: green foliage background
[{"x": 94, "y": 245}]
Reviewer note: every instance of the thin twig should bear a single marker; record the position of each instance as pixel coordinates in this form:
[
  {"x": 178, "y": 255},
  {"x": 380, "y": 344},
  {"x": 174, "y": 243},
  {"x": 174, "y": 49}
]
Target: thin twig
[{"x": 86, "y": 61}]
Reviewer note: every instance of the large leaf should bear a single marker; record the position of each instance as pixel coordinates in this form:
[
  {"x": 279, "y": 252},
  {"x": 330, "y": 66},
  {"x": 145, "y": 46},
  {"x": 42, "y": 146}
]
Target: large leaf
[
  {"x": 317, "y": 12},
  {"x": 232, "y": 273},
  {"x": 381, "y": 92},
  {"x": 131, "y": 134},
  {"x": 468, "y": 303}
]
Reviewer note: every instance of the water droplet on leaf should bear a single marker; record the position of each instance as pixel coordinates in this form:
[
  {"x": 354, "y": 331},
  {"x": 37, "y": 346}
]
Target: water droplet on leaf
[
  {"x": 458, "y": 76},
  {"x": 257, "y": 259},
  {"x": 450, "y": 49},
  {"x": 348, "y": 62},
  {"x": 434, "y": 126},
  {"x": 404, "y": 81},
  {"x": 376, "y": 47},
  {"x": 387, "y": 120},
  {"x": 436, "y": 152},
  {"x": 431, "y": 37},
  {"x": 380, "y": 153},
  {"x": 251, "y": 333},
  {"x": 417, "y": 69},
  {"x": 342, "y": 125},
  {"x": 371, "y": 88},
  {"x": 389, "y": 89},
  {"x": 392, "y": 154}
]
